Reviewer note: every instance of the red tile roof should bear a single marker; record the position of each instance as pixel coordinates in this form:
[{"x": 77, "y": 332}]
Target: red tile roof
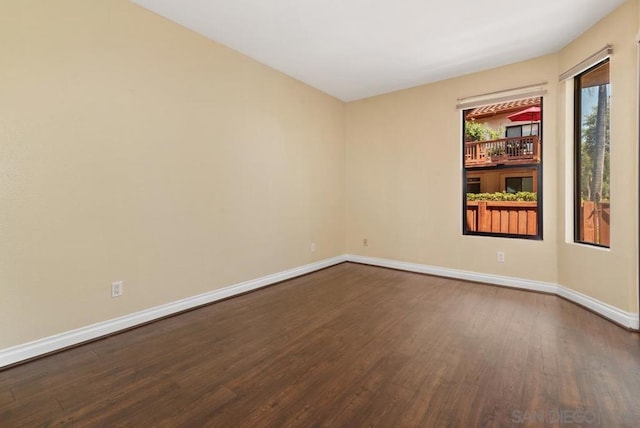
[{"x": 506, "y": 107}]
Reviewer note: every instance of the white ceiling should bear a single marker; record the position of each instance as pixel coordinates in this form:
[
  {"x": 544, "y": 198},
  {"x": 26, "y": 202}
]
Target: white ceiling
[{"x": 353, "y": 49}]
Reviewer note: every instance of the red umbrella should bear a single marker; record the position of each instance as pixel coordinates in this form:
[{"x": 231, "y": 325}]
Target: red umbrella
[{"x": 531, "y": 114}]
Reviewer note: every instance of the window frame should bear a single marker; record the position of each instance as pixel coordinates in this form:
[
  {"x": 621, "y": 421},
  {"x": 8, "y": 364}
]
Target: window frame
[{"x": 577, "y": 150}]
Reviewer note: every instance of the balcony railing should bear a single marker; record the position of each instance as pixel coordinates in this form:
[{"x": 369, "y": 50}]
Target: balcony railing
[{"x": 512, "y": 150}]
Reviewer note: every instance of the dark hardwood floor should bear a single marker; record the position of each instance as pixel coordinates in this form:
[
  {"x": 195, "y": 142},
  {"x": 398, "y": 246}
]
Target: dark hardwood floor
[{"x": 351, "y": 346}]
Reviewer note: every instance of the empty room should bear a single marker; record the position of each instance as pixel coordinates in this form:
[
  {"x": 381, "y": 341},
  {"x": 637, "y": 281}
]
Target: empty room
[{"x": 241, "y": 213}]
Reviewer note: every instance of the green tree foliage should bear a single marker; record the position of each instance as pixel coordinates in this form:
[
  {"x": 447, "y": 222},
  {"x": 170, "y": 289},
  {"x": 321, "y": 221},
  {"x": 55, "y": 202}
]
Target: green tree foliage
[
  {"x": 592, "y": 133},
  {"x": 475, "y": 131}
]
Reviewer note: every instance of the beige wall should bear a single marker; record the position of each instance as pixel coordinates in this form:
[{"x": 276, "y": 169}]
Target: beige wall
[
  {"x": 607, "y": 275},
  {"x": 404, "y": 177},
  {"x": 134, "y": 149},
  {"x": 404, "y": 174}
]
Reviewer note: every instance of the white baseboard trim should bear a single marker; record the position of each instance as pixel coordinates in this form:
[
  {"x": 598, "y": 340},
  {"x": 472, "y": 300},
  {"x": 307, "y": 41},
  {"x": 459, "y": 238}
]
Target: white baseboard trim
[
  {"x": 56, "y": 342},
  {"x": 506, "y": 281},
  {"x": 626, "y": 319}
]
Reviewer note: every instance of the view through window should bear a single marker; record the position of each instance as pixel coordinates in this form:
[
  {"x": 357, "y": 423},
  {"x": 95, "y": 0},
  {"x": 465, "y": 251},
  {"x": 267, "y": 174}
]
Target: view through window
[
  {"x": 502, "y": 169},
  {"x": 592, "y": 151}
]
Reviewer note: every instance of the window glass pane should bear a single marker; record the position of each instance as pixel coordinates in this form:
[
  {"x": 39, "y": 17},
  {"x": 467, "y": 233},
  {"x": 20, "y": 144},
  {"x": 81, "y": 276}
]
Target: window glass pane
[
  {"x": 514, "y": 131},
  {"x": 527, "y": 129},
  {"x": 522, "y": 130},
  {"x": 592, "y": 153},
  {"x": 502, "y": 150},
  {"x": 514, "y": 184},
  {"x": 519, "y": 184},
  {"x": 473, "y": 185}
]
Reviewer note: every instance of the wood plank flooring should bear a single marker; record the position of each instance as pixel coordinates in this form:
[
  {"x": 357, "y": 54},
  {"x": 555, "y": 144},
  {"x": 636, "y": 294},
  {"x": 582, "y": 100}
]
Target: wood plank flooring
[{"x": 352, "y": 346}]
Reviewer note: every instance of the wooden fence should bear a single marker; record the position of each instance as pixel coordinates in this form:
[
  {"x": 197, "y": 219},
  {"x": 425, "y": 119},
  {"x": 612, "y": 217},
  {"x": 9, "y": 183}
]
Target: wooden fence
[
  {"x": 513, "y": 217},
  {"x": 521, "y": 218},
  {"x": 596, "y": 223}
]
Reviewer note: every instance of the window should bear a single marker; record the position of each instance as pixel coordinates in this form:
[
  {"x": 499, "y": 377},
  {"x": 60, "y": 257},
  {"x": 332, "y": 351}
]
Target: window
[
  {"x": 518, "y": 184},
  {"x": 522, "y": 130},
  {"x": 502, "y": 158},
  {"x": 473, "y": 185},
  {"x": 591, "y": 153}
]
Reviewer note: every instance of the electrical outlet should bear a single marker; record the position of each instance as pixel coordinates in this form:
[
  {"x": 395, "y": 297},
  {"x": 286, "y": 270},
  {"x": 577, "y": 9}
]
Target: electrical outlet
[
  {"x": 117, "y": 288},
  {"x": 500, "y": 256},
  {"x": 365, "y": 242},
  {"x": 312, "y": 247}
]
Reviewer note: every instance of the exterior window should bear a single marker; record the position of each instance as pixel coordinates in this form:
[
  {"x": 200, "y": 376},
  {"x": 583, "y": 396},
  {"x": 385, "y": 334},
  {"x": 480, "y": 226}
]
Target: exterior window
[
  {"x": 522, "y": 130},
  {"x": 592, "y": 152},
  {"x": 502, "y": 169},
  {"x": 518, "y": 184},
  {"x": 473, "y": 185}
]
